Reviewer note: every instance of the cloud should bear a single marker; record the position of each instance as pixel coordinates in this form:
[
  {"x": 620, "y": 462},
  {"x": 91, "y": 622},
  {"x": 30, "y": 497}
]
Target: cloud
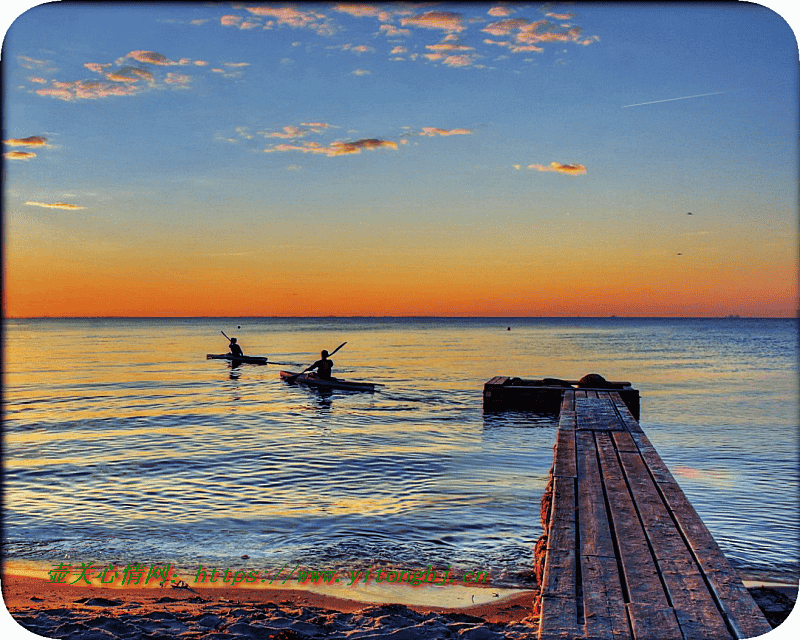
[
  {"x": 96, "y": 67},
  {"x": 30, "y": 141},
  {"x": 569, "y": 169},
  {"x": 89, "y": 90},
  {"x": 391, "y": 31},
  {"x": 294, "y": 18},
  {"x": 560, "y": 16},
  {"x": 527, "y": 32},
  {"x": 434, "y": 131},
  {"x": 359, "y": 10},
  {"x": 449, "y": 47},
  {"x": 150, "y": 57},
  {"x": 499, "y": 12},
  {"x": 178, "y": 79},
  {"x": 19, "y": 155},
  {"x": 293, "y": 132},
  {"x": 130, "y": 74},
  {"x": 398, "y": 51},
  {"x": 444, "y": 20},
  {"x": 54, "y": 205},
  {"x": 338, "y": 148},
  {"x": 362, "y": 72}
]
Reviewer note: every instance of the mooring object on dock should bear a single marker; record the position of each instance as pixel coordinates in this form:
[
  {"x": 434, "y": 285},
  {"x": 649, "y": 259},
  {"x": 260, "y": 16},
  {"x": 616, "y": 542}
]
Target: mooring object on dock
[
  {"x": 624, "y": 555},
  {"x": 504, "y": 392}
]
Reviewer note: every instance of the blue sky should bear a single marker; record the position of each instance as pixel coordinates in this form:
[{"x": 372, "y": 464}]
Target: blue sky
[{"x": 393, "y": 159}]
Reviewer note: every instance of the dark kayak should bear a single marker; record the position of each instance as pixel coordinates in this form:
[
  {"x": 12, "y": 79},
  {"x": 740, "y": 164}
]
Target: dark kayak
[
  {"x": 332, "y": 383},
  {"x": 232, "y": 358}
]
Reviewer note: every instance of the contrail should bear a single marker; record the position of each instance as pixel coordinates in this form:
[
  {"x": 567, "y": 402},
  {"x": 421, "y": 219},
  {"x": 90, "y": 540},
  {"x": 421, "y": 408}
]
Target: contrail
[{"x": 699, "y": 95}]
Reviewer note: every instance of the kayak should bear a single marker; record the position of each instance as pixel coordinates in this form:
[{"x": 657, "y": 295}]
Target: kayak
[
  {"x": 332, "y": 383},
  {"x": 232, "y": 358}
]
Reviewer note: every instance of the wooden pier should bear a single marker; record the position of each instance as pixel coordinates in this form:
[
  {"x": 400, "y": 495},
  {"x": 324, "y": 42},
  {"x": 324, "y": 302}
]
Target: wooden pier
[
  {"x": 504, "y": 392},
  {"x": 624, "y": 553}
]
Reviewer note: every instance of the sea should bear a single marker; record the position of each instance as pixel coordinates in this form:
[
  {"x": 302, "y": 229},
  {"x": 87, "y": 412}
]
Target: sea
[{"x": 123, "y": 443}]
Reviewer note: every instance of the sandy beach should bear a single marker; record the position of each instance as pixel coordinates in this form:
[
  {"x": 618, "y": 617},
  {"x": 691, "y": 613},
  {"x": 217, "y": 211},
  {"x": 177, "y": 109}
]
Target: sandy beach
[
  {"x": 64, "y": 611},
  {"x": 97, "y": 612}
]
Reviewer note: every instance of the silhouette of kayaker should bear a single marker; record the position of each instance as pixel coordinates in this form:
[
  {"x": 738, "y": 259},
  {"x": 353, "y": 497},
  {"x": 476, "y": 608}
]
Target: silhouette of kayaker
[
  {"x": 323, "y": 366},
  {"x": 236, "y": 350}
]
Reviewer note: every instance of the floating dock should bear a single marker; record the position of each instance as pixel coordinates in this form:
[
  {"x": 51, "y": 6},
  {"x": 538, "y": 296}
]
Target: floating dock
[
  {"x": 625, "y": 555},
  {"x": 504, "y": 392}
]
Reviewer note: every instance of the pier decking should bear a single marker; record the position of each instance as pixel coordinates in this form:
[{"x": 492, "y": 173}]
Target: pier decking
[{"x": 625, "y": 555}]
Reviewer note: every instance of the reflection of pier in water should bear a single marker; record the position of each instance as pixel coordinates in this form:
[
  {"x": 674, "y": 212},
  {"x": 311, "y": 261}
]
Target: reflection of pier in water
[{"x": 624, "y": 554}]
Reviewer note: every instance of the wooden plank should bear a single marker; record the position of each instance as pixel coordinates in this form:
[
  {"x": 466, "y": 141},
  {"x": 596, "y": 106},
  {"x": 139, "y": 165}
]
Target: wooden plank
[
  {"x": 625, "y": 415},
  {"x": 580, "y": 393},
  {"x": 596, "y": 414},
  {"x": 560, "y": 571},
  {"x": 653, "y": 623},
  {"x": 558, "y": 619},
  {"x": 639, "y": 568},
  {"x": 604, "y": 610},
  {"x": 695, "y": 608},
  {"x": 735, "y": 601},
  {"x": 497, "y": 380},
  {"x": 564, "y": 457},
  {"x": 568, "y": 401},
  {"x": 594, "y": 529},
  {"x": 624, "y": 442}
]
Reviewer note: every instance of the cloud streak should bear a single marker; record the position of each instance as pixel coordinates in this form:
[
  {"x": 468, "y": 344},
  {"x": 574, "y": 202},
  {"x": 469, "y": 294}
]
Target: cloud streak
[
  {"x": 557, "y": 167},
  {"x": 54, "y": 205}
]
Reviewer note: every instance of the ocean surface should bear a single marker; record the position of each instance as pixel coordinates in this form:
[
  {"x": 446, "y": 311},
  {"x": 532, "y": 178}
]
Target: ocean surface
[{"x": 123, "y": 443}]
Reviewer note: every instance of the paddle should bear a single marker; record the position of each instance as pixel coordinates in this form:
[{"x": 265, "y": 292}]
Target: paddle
[{"x": 294, "y": 377}]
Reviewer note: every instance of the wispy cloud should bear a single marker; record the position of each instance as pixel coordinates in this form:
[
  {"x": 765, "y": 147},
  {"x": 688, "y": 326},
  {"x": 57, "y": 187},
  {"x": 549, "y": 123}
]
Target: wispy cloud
[
  {"x": 569, "y": 169},
  {"x": 337, "y": 148},
  {"x": 19, "y": 155},
  {"x": 129, "y": 80},
  {"x": 54, "y": 205},
  {"x": 30, "y": 141},
  {"x": 435, "y": 131}
]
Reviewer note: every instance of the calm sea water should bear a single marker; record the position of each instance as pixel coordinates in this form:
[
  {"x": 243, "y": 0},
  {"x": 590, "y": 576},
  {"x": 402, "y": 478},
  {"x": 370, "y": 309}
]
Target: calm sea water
[{"x": 122, "y": 443}]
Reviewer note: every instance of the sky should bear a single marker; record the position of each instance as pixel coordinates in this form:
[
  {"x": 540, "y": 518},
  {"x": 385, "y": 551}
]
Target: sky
[{"x": 428, "y": 159}]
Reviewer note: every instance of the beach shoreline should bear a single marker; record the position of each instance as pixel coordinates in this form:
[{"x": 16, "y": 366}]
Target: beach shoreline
[
  {"x": 58, "y": 610},
  {"x": 209, "y": 611}
]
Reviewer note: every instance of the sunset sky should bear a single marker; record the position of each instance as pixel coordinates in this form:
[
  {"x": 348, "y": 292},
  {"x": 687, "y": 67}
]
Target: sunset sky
[{"x": 400, "y": 159}]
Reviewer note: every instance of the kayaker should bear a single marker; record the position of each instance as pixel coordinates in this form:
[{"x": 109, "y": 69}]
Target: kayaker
[
  {"x": 323, "y": 366},
  {"x": 236, "y": 350}
]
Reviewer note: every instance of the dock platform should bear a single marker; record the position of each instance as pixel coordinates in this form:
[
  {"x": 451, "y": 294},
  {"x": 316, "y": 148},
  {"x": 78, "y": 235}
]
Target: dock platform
[
  {"x": 505, "y": 392},
  {"x": 625, "y": 555}
]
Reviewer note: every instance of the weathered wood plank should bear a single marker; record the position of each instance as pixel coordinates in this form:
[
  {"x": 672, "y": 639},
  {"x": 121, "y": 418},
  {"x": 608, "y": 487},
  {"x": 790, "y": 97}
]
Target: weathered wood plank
[
  {"x": 695, "y": 608},
  {"x": 626, "y": 417},
  {"x": 497, "y": 380},
  {"x": 653, "y": 623},
  {"x": 568, "y": 401},
  {"x": 596, "y": 414},
  {"x": 639, "y": 568},
  {"x": 624, "y": 442},
  {"x": 560, "y": 571},
  {"x": 558, "y": 619},
  {"x": 603, "y": 603},
  {"x": 594, "y": 529},
  {"x": 564, "y": 457},
  {"x": 736, "y": 602}
]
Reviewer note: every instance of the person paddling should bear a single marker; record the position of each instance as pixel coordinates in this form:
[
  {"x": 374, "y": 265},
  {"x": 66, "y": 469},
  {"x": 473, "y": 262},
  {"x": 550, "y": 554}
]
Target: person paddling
[
  {"x": 323, "y": 366},
  {"x": 236, "y": 350}
]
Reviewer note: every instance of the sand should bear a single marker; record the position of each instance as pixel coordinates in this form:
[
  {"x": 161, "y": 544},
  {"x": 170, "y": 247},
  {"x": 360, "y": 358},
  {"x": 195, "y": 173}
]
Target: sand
[
  {"x": 102, "y": 613},
  {"x": 197, "y": 611}
]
